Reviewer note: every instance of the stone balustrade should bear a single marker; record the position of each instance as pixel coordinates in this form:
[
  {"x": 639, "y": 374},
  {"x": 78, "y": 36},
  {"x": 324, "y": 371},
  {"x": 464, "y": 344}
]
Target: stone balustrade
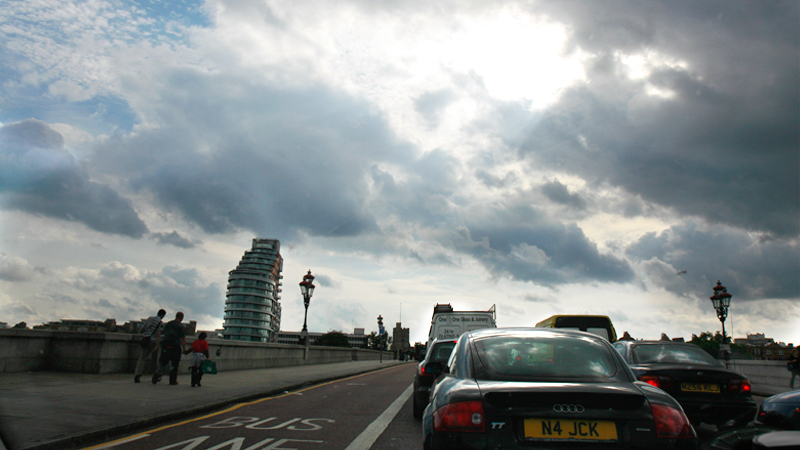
[{"x": 96, "y": 352}]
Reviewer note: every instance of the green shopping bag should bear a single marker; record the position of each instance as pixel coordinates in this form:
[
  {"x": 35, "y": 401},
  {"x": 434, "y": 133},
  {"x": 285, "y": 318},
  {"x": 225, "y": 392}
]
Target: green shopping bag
[{"x": 208, "y": 367}]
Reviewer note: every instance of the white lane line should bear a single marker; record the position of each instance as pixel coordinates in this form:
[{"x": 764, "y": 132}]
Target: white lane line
[{"x": 368, "y": 437}]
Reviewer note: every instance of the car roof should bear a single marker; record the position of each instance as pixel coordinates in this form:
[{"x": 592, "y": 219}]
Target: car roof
[
  {"x": 658, "y": 342},
  {"x": 530, "y": 331}
]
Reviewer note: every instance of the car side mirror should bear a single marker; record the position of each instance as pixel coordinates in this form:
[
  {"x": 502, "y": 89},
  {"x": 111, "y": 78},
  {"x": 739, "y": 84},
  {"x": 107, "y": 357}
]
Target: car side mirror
[{"x": 434, "y": 368}]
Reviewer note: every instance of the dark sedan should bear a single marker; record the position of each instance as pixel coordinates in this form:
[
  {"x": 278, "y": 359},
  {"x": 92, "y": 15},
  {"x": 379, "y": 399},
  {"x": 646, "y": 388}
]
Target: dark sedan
[
  {"x": 547, "y": 388},
  {"x": 439, "y": 352},
  {"x": 781, "y": 411},
  {"x": 708, "y": 392}
]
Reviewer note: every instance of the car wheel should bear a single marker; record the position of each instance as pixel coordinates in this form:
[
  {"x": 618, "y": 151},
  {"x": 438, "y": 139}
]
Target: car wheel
[{"x": 418, "y": 409}]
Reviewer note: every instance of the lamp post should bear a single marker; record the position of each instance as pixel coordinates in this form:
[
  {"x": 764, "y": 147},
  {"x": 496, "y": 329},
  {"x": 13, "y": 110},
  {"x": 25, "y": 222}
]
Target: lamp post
[
  {"x": 722, "y": 301},
  {"x": 307, "y": 289},
  {"x": 381, "y": 332}
]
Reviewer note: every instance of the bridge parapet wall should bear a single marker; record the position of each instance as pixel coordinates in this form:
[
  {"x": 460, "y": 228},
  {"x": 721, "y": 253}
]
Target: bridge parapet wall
[
  {"x": 767, "y": 377},
  {"x": 97, "y": 352}
]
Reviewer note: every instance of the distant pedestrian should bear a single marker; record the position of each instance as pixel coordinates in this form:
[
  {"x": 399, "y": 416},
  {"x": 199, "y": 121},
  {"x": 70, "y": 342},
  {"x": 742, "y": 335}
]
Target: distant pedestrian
[
  {"x": 794, "y": 366},
  {"x": 199, "y": 351},
  {"x": 149, "y": 343},
  {"x": 173, "y": 345}
]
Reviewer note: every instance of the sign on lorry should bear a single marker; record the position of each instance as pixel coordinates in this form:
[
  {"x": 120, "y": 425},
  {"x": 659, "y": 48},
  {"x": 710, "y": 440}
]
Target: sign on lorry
[{"x": 449, "y": 324}]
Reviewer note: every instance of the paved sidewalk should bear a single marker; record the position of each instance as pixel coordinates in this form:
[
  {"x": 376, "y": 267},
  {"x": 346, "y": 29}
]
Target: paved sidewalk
[{"x": 50, "y": 410}]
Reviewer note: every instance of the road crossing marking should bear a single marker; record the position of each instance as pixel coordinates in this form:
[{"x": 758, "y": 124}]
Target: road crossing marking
[{"x": 368, "y": 437}]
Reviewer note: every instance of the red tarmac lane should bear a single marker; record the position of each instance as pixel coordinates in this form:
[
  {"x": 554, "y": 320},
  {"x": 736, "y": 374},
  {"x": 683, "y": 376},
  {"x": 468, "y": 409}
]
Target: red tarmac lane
[{"x": 350, "y": 413}]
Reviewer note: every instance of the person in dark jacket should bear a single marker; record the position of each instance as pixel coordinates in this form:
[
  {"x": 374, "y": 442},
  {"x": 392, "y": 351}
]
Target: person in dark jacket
[{"x": 173, "y": 345}]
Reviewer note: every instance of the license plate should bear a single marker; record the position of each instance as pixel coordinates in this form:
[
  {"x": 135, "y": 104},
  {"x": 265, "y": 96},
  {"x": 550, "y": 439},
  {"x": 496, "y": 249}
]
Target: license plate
[
  {"x": 700, "y": 387},
  {"x": 562, "y": 429}
]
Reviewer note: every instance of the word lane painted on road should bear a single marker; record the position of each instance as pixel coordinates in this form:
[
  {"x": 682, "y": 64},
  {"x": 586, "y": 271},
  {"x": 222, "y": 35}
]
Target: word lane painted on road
[
  {"x": 255, "y": 423},
  {"x": 237, "y": 444}
]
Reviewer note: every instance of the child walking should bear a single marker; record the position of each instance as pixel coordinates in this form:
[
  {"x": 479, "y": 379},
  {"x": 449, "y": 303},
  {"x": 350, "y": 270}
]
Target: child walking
[{"x": 199, "y": 351}]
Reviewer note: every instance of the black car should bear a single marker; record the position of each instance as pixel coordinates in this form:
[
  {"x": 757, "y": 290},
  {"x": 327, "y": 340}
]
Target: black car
[
  {"x": 707, "y": 391},
  {"x": 781, "y": 411},
  {"x": 547, "y": 388},
  {"x": 438, "y": 352}
]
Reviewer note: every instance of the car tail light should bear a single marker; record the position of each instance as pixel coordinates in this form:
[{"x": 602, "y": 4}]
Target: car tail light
[
  {"x": 741, "y": 386},
  {"x": 422, "y": 372},
  {"x": 657, "y": 381},
  {"x": 460, "y": 416},
  {"x": 671, "y": 422}
]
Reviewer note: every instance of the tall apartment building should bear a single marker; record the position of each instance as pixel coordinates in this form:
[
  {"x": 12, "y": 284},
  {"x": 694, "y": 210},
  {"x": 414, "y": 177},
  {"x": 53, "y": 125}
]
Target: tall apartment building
[{"x": 252, "y": 303}]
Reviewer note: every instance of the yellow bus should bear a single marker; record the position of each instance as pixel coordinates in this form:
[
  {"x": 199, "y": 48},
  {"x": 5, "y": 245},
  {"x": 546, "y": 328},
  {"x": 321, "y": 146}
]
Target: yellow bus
[{"x": 599, "y": 325}]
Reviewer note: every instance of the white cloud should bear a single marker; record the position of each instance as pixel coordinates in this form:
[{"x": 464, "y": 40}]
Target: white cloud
[{"x": 545, "y": 156}]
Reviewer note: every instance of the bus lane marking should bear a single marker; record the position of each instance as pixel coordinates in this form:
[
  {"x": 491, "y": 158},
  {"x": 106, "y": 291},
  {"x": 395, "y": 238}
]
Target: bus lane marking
[{"x": 149, "y": 433}]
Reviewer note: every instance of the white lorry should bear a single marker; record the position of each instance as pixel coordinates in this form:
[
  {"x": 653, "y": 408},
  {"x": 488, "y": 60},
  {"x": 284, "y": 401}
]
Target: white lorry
[{"x": 449, "y": 324}]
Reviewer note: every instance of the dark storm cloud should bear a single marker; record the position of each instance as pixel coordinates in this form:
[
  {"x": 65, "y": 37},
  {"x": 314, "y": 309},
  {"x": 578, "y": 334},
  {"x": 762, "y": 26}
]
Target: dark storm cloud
[
  {"x": 510, "y": 238},
  {"x": 264, "y": 160},
  {"x": 521, "y": 243},
  {"x": 176, "y": 239},
  {"x": 751, "y": 268},
  {"x": 38, "y": 176},
  {"x": 724, "y": 146},
  {"x": 557, "y": 192}
]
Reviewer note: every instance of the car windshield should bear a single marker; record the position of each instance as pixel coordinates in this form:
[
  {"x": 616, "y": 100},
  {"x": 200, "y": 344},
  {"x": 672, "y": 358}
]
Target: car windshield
[
  {"x": 531, "y": 357},
  {"x": 441, "y": 351},
  {"x": 672, "y": 354}
]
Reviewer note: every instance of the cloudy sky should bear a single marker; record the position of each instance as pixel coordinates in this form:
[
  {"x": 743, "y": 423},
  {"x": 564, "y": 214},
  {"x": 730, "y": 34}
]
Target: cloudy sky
[{"x": 585, "y": 157}]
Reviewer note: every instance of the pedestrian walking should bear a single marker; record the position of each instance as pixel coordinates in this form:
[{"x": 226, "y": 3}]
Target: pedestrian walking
[
  {"x": 199, "y": 351},
  {"x": 149, "y": 343},
  {"x": 173, "y": 345},
  {"x": 794, "y": 366}
]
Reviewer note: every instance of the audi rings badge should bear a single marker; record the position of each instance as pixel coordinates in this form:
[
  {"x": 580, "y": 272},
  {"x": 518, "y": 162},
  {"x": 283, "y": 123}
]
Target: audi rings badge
[{"x": 571, "y": 409}]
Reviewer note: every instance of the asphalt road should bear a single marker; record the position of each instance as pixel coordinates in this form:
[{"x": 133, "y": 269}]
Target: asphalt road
[
  {"x": 345, "y": 414},
  {"x": 370, "y": 411}
]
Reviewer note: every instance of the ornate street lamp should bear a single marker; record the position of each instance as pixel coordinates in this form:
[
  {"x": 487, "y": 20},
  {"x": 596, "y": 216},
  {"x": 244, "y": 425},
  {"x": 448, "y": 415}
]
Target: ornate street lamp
[
  {"x": 722, "y": 301},
  {"x": 307, "y": 289},
  {"x": 380, "y": 337}
]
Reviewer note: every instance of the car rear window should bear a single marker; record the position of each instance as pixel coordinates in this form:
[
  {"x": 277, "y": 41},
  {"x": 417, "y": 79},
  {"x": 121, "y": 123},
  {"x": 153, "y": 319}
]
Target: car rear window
[
  {"x": 531, "y": 358},
  {"x": 671, "y": 354},
  {"x": 441, "y": 351}
]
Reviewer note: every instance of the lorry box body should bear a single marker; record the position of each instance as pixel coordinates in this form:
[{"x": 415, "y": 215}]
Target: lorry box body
[{"x": 449, "y": 324}]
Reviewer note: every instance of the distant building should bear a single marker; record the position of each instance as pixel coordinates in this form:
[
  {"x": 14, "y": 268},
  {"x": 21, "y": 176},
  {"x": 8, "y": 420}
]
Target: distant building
[
  {"x": 252, "y": 303},
  {"x": 761, "y": 347},
  {"x": 109, "y": 325},
  {"x": 754, "y": 340},
  {"x": 357, "y": 340},
  {"x": 400, "y": 338},
  {"x": 137, "y": 326}
]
